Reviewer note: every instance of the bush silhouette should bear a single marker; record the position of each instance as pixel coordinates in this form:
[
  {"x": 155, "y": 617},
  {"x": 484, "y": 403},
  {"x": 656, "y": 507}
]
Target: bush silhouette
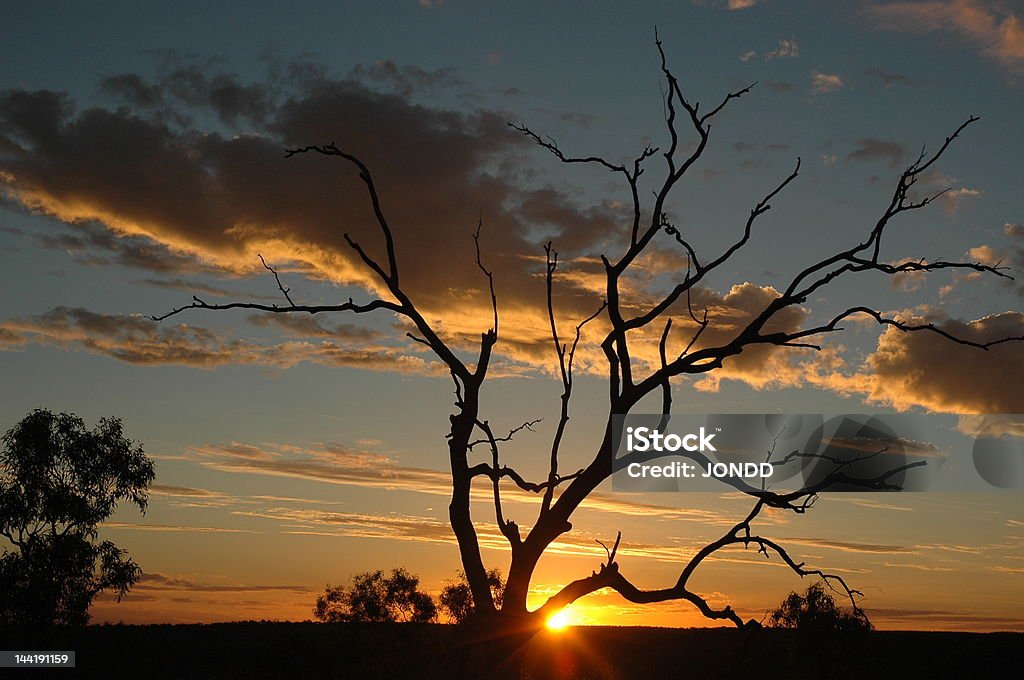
[
  {"x": 457, "y": 598},
  {"x": 826, "y": 641},
  {"x": 817, "y": 611},
  {"x": 375, "y": 598}
]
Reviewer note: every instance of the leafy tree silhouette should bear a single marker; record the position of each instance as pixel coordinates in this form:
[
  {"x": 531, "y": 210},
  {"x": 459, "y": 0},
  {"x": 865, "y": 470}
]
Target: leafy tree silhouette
[
  {"x": 826, "y": 641},
  {"x": 816, "y": 610},
  {"x": 375, "y": 598},
  {"x": 457, "y": 599},
  {"x": 58, "y": 482},
  {"x": 630, "y": 380}
]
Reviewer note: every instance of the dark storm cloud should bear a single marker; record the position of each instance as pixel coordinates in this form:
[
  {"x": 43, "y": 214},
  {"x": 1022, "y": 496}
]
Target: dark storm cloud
[
  {"x": 180, "y": 195},
  {"x": 133, "y": 89},
  {"x": 193, "y": 86}
]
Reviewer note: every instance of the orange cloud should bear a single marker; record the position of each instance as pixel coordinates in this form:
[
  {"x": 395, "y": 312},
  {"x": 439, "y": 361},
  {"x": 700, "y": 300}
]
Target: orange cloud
[
  {"x": 994, "y": 28},
  {"x": 924, "y": 369},
  {"x": 825, "y": 82}
]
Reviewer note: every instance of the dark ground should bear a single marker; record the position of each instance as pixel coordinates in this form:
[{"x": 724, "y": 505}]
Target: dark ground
[{"x": 309, "y": 650}]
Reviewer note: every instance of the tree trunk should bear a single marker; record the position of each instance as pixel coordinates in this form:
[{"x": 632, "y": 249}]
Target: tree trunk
[
  {"x": 459, "y": 510},
  {"x": 550, "y": 525}
]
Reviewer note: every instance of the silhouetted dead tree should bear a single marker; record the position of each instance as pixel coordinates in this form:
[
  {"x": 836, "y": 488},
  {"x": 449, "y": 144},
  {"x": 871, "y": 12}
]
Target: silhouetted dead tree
[{"x": 561, "y": 494}]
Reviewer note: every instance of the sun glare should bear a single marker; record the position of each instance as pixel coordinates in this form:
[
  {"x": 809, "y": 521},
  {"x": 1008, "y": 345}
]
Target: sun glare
[{"x": 558, "y": 621}]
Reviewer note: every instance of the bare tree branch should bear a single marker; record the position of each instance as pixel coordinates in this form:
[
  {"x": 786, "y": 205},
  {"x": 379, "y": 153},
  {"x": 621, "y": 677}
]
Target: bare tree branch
[
  {"x": 350, "y": 306},
  {"x": 609, "y": 576},
  {"x": 508, "y": 528},
  {"x": 488, "y": 274},
  {"x": 364, "y": 174},
  {"x": 284, "y": 291},
  {"x": 565, "y": 366},
  {"x": 483, "y": 470},
  {"x": 528, "y": 425}
]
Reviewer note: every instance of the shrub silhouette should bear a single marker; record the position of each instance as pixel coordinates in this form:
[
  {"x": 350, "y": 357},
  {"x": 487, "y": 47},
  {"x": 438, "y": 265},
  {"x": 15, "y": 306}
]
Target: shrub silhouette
[
  {"x": 375, "y": 598},
  {"x": 817, "y": 611},
  {"x": 827, "y": 641},
  {"x": 457, "y": 598}
]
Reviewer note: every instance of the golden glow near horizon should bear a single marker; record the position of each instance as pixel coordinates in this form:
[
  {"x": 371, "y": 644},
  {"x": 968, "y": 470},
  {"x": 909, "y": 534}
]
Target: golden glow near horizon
[{"x": 558, "y": 621}]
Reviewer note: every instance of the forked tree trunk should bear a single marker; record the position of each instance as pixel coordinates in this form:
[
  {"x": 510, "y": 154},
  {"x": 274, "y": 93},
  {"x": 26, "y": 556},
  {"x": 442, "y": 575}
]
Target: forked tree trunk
[{"x": 552, "y": 523}]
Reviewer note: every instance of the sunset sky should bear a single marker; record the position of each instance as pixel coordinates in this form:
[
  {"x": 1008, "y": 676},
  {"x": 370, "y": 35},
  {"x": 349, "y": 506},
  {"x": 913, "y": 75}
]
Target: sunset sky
[{"x": 141, "y": 162}]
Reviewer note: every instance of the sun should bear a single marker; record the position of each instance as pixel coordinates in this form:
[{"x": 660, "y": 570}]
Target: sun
[{"x": 558, "y": 621}]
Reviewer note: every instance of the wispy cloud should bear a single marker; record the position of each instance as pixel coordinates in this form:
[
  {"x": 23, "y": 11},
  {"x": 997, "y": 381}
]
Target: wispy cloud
[
  {"x": 158, "y": 581},
  {"x": 825, "y": 82},
  {"x": 1009, "y": 570},
  {"x": 187, "y": 491},
  {"x": 309, "y": 327},
  {"x": 195, "y": 288},
  {"x": 398, "y": 526},
  {"x": 867, "y": 503},
  {"x": 847, "y": 546},
  {"x": 1006, "y": 251},
  {"x": 954, "y": 198},
  {"x": 995, "y": 29},
  {"x": 787, "y": 48},
  {"x": 335, "y": 464},
  {"x": 405, "y": 79},
  {"x": 941, "y": 619},
  {"x": 993, "y": 425},
  {"x": 871, "y": 149},
  {"x": 137, "y": 340},
  {"x": 174, "y": 528},
  {"x": 918, "y": 567},
  {"x": 90, "y": 243},
  {"x": 888, "y": 79},
  {"x": 731, "y": 5}
]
